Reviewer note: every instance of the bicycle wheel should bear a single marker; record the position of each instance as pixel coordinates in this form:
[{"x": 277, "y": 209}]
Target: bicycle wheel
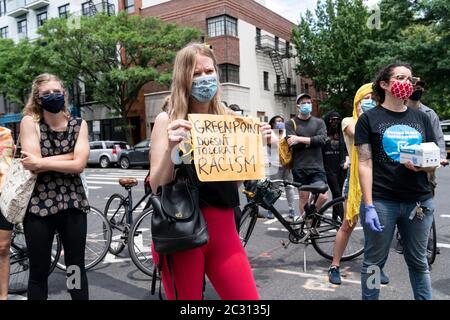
[
  {"x": 432, "y": 244},
  {"x": 326, "y": 228},
  {"x": 19, "y": 264},
  {"x": 248, "y": 221},
  {"x": 140, "y": 242},
  {"x": 98, "y": 239},
  {"x": 116, "y": 213}
]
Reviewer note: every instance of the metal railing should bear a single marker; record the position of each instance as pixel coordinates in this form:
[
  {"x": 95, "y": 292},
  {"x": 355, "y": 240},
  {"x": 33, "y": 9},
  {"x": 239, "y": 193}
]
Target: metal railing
[
  {"x": 269, "y": 43},
  {"x": 288, "y": 90}
]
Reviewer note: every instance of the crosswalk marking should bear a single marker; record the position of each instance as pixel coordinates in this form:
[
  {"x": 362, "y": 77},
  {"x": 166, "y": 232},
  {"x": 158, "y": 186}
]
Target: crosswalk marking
[
  {"x": 98, "y": 178},
  {"x": 445, "y": 215}
]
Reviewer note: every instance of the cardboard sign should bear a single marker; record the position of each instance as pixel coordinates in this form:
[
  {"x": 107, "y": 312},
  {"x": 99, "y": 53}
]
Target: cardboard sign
[{"x": 227, "y": 148}]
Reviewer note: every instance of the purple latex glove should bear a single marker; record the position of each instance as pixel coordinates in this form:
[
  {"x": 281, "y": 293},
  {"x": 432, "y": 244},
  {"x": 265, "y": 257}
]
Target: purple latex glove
[{"x": 372, "y": 219}]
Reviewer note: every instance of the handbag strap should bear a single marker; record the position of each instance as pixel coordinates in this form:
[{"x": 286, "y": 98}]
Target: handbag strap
[{"x": 38, "y": 130}]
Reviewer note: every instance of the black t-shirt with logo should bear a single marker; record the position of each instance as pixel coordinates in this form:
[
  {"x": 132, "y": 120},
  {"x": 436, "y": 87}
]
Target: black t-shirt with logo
[{"x": 386, "y": 131}]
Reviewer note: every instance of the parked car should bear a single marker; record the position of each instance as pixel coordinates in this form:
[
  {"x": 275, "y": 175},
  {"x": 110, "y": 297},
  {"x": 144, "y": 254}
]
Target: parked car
[
  {"x": 135, "y": 156},
  {"x": 106, "y": 153},
  {"x": 445, "y": 125}
]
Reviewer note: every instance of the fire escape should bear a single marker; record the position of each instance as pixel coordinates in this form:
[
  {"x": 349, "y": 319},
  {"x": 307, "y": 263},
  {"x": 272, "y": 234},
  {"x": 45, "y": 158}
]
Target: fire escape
[{"x": 277, "y": 51}]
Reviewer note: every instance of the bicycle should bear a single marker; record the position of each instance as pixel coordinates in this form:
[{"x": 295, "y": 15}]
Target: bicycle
[
  {"x": 431, "y": 246},
  {"x": 136, "y": 234},
  {"x": 98, "y": 238},
  {"x": 318, "y": 227},
  {"x": 19, "y": 264}
]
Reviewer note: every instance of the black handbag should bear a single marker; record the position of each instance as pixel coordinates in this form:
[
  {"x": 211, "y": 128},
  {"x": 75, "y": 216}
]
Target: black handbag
[{"x": 177, "y": 222}]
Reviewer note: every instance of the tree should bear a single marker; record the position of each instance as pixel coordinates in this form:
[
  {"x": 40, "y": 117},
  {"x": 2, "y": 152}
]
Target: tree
[
  {"x": 19, "y": 64},
  {"x": 329, "y": 51},
  {"x": 114, "y": 55},
  {"x": 416, "y": 32}
]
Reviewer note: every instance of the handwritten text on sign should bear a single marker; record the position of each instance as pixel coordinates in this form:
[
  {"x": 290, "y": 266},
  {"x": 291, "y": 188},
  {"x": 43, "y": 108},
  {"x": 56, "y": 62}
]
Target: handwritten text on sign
[{"x": 227, "y": 148}]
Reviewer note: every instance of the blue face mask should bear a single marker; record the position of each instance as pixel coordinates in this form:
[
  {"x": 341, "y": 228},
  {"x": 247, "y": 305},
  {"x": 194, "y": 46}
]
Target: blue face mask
[
  {"x": 53, "y": 102},
  {"x": 204, "y": 88},
  {"x": 367, "y": 104},
  {"x": 279, "y": 125},
  {"x": 305, "y": 109}
]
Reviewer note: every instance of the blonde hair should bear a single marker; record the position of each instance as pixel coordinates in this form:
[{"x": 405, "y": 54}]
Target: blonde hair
[
  {"x": 183, "y": 74},
  {"x": 33, "y": 107}
]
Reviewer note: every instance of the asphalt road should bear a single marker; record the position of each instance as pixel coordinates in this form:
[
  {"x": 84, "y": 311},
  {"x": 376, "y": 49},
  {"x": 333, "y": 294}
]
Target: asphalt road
[{"x": 279, "y": 272}]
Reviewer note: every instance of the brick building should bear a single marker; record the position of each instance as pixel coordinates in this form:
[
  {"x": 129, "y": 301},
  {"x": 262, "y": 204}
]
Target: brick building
[{"x": 252, "y": 44}]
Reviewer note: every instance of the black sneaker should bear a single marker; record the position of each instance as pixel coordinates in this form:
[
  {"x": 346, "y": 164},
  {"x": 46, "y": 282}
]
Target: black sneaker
[{"x": 334, "y": 275}]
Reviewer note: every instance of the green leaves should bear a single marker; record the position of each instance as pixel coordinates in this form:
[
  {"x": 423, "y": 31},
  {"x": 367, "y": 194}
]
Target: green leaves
[{"x": 340, "y": 53}]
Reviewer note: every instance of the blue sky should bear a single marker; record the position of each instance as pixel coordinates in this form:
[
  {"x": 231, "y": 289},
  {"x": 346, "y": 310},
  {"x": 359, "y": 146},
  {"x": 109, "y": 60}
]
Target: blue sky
[{"x": 291, "y": 9}]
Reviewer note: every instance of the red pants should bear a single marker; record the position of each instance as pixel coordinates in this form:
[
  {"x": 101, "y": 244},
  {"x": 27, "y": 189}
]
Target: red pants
[{"x": 223, "y": 259}]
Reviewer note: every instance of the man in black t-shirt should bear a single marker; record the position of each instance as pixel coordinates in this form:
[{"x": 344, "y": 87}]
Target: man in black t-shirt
[
  {"x": 306, "y": 138},
  {"x": 394, "y": 193}
]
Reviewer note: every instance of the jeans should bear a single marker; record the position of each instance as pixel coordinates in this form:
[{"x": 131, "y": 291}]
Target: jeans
[{"x": 414, "y": 233}]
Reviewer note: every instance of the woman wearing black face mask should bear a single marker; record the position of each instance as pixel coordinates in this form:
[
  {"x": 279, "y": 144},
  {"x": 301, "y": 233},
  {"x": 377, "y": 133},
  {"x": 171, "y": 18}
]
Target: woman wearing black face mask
[
  {"x": 58, "y": 154},
  {"x": 334, "y": 155}
]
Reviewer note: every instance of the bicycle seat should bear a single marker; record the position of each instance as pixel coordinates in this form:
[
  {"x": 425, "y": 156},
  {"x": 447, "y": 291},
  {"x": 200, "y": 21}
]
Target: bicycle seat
[
  {"x": 128, "y": 182},
  {"x": 315, "y": 188}
]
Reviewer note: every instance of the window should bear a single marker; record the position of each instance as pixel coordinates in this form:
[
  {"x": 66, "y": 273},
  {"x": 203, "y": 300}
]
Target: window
[
  {"x": 4, "y": 33},
  {"x": 64, "y": 11},
  {"x": 278, "y": 83},
  {"x": 22, "y": 27},
  {"x": 129, "y": 6},
  {"x": 96, "y": 146},
  {"x": 2, "y": 7},
  {"x": 306, "y": 88},
  {"x": 258, "y": 37},
  {"x": 266, "y": 81},
  {"x": 86, "y": 9},
  {"x": 222, "y": 25},
  {"x": 229, "y": 73},
  {"x": 142, "y": 144},
  {"x": 277, "y": 43},
  {"x": 288, "y": 49},
  {"x": 41, "y": 18}
]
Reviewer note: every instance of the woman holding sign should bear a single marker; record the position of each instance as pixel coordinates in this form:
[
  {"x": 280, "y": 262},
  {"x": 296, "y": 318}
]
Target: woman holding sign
[{"x": 195, "y": 90}]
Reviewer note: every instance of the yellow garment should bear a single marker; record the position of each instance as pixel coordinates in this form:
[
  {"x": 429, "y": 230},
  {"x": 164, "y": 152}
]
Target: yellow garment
[
  {"x": 6, "y": 153},
  {"x": 354, "y": 193}
]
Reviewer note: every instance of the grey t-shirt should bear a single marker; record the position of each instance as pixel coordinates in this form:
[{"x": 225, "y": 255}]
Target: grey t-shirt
[
  {"x": 308, "y": 156},
  {"x": 436, "y": 128}
]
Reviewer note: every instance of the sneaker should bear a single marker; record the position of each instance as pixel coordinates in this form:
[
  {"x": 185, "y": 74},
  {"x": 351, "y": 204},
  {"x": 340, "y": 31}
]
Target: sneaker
[
  {"x": 384, "y": 279},
  {"x": 399, "y": 247},
  {"x": 334, "y": 275}
]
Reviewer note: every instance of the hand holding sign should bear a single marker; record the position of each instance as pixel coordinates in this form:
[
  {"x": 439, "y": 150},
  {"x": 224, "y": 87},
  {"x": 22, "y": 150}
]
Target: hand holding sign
[
  {"x": 178, "y": 130},
  {"x": 227, "y": 148}
]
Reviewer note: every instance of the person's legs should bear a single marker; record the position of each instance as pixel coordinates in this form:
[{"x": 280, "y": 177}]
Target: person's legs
[
  {"x": 304, "y": 197},
  {"x": 414, "y": 233},
  {"x": 342, "y": 237},
  {"x": 336, "y": 192},
  {"x": 376, "y": 246},
  {"x": 301, "y": 176},
  {"x": 39, "y": 233},
  {"x": 5, "y": 242},
  {"x": 226, "y": 263},
  {"x": 184, "y": 270},
  {"x": 290, "y": 191},
  {"x": 72, "y": 228}
]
